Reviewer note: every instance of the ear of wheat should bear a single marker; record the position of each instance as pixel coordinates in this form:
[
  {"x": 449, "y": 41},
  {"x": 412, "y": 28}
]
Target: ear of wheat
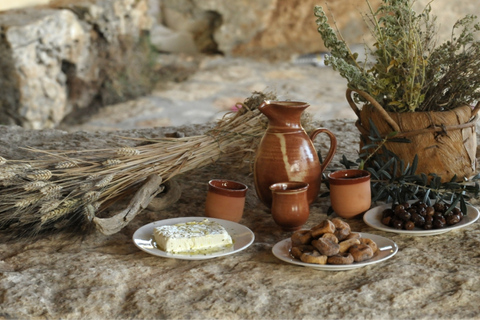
[{"x": 68, "y": 189}]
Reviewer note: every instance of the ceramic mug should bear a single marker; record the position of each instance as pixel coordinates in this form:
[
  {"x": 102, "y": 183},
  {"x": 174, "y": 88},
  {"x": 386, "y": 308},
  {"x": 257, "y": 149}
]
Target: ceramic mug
[
  {"x": 290, "y": 207},
  {"x": 350, "y": 192},
  {"x": 225, "y": 199}
]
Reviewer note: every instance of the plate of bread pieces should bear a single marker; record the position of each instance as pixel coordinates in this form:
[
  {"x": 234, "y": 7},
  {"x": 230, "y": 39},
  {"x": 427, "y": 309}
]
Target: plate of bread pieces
[{"x": 332, "y": 246}]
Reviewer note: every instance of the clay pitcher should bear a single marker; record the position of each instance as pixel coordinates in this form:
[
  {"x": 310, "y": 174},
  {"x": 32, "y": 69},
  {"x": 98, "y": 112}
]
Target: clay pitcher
[{"x": 286, "y": 152}]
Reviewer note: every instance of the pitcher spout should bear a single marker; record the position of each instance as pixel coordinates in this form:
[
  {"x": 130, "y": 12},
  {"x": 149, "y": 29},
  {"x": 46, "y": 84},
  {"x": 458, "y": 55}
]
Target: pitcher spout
[
  {"x": 266, "y": 108},
  {"x": 281, "y": 113}
]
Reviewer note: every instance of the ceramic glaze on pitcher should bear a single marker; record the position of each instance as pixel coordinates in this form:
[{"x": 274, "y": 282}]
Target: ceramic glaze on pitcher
[{"x": 286, "y": 152}]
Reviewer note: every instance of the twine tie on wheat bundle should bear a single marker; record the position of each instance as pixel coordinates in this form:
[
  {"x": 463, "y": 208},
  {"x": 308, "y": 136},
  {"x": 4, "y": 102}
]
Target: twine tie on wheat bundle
[{"x": 68, "y": 189}]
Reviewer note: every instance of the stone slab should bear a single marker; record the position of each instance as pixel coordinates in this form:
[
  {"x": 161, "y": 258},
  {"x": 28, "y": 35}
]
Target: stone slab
[{"x": 92, "y": 276}]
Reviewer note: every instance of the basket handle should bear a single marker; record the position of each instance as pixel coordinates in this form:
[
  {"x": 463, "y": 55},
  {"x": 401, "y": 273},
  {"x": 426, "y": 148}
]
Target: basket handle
[
  {"x": 475, "y": 109},
  {"x": 374, "y": 103}
]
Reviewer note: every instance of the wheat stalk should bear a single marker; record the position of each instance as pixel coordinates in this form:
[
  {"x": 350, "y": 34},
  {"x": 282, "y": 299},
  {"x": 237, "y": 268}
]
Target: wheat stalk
[{"x": 69, "y": 188}]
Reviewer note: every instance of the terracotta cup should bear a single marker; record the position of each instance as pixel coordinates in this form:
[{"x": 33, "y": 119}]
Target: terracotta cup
[
  {"x": 225, "y": 199},
  {"x": 290, "y": 206},
  {"x": 350, "y": 192}
]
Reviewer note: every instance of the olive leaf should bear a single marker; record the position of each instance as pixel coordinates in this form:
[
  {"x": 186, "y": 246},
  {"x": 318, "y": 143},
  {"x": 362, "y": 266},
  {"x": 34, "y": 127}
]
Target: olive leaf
[{"x": 396, "y": 180}]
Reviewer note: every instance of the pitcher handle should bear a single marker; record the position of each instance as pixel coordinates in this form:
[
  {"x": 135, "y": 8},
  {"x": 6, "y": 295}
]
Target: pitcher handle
[{"x": 333, "y": 145}]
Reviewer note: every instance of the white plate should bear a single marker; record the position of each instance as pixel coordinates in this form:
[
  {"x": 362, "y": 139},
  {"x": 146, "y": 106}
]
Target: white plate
[
  {"x": 387, "y": 249},
  {"x": 373, "y": 218},
  {"x": 242, "y": 238}
]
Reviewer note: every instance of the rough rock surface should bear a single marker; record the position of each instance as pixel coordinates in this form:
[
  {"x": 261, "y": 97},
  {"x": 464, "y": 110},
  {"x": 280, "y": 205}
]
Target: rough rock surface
[
  {"x": 106, "y": 277},
  {"x": 36, "y": 52},
  {"x": 280, "y": 29},
  {"x": 51, "y": 58},
  {"x": 215, "y": 86},
  {"x": 277, "y": 29}
]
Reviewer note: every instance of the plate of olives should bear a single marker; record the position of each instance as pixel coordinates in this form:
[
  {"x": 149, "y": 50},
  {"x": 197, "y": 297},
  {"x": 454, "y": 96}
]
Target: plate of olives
[{"x": 419, "y": 219}]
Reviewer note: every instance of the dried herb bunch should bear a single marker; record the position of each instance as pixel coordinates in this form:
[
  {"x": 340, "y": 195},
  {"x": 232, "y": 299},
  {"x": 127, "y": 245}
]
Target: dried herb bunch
[
  {"x": 453, "y": 71},
  {"x": 406, "y": 70}
]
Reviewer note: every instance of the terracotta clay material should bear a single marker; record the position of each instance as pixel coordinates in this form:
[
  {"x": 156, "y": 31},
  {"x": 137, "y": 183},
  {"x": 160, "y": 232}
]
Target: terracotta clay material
[
  {"x": 286, "y": 152},
  {"x": 290, "y": 208},
  {"x": 225, "y": 199},
  {"x": 350, "y": 192}
]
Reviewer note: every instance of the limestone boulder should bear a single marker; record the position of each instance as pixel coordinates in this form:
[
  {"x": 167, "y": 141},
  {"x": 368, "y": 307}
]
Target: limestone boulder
[
  {"x": 53, "y": 59},
  {"x": 110, "y": 19},
  {"x": 38, "y": 47}
]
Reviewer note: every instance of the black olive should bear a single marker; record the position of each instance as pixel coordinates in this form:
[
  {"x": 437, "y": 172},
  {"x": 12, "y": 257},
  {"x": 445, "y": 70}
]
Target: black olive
[
  {"x": 412, "y": 210},
  {"x": 386, "y": 220},
  {"x": 439, "y": 206},
  {"x": 388, "y": 213},
  {"x": 404, "y": 215},
  {"x": 439, "y": 223},
  {"x": 438, "y": 214},
  {"x": 421, "y": 205},
  {"x": 399, "y": 208},
  {"x": 458, "y": 211},
  {"x": 406, "y": 205},
  {"x": 428, "y": 219},
  {"x": 409, "y": 225},
  {"x": 397, "y": 223},
  {"x": 453, "y": 219},
  {"x": 430, "y": 211},
  {"x": 427, "y": 226},
  {"x": 422, "y": 212},
  {"x": 446, "y": 214},
  {"x": 418, "y": 220}
]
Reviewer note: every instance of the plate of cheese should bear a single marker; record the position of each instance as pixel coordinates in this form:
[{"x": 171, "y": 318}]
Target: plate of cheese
[{"x": 193, "y": 238}]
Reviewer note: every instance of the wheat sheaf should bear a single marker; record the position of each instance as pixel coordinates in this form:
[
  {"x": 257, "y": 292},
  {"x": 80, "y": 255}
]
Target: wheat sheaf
[{"x": 65, "y": 190}]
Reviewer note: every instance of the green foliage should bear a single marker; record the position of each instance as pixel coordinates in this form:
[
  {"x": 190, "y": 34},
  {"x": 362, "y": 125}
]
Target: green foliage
[
  {"x": 395, "y": 181},
  {"x": 407, "y": 72},
  {"x": 341, "y": 58},
  {"x": 408, "y": 185}
]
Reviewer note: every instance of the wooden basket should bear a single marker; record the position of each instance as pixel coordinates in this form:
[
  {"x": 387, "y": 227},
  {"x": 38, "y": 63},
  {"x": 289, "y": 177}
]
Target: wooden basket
[{"x": 445, "y": 141}]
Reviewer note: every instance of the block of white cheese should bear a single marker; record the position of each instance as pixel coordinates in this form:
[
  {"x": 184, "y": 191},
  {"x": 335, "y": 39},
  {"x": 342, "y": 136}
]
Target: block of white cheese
[{"x": 192, "y": 237}]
